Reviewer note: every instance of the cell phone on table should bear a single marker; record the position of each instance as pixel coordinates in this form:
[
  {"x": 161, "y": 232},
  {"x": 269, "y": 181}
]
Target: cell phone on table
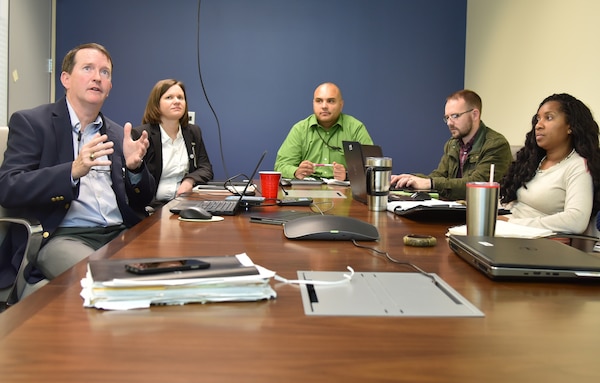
[{"x": 166, "y": 266}]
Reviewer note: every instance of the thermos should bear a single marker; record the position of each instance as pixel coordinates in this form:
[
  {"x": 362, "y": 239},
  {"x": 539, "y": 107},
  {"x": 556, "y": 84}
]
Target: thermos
[{"x": 378, "y": 171}]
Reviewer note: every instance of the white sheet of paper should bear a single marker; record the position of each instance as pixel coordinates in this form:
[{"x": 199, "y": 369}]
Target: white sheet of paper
[
  {"x": 316, "y": 193},
  {"x": 507, "y": 229}
]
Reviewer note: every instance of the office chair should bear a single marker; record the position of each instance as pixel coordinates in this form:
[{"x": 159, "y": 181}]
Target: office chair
[
  {"x": 585, "y": 241},
  {"x": 33, "y": 231}
]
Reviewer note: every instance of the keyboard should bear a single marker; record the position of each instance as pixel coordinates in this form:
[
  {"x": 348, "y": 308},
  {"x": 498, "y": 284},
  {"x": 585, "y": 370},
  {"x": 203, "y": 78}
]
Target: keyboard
[
  {"x": 220, "y": 207},
  {"x": 215, "y": 207}
]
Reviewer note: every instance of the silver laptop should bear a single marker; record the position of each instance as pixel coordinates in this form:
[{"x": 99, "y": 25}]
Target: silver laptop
[
  {"x": 355, "y": 154},
  {"x": 521, "y": 258}
]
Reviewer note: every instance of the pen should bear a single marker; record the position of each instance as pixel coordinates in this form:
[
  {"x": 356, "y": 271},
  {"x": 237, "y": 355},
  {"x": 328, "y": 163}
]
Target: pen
[{"x": 323, "y": 164}]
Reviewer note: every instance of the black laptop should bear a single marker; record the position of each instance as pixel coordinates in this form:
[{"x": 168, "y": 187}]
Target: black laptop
[
  {"x": 524, "y": 258},
  {"x": 217, "y": 207},
  {"x": 355, "y": 154},
  {"x": 279, "y": 217}
]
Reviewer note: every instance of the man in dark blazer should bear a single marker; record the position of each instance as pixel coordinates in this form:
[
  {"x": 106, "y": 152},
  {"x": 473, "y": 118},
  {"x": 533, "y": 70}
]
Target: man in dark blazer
[{"x": 79, "y": 173}]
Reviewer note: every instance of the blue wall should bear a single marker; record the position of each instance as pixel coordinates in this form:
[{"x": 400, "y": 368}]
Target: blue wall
[{"x": 394, "y": 60}]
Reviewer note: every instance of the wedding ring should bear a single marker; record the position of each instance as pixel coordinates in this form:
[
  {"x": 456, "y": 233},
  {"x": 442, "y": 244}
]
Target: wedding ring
[
  {"x": 92, "y": 156},
  {"x": 419, "y": 240}
]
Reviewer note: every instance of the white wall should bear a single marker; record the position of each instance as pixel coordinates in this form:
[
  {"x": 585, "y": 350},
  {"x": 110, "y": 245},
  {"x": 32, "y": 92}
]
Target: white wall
[{"x": 520, "y": 51}]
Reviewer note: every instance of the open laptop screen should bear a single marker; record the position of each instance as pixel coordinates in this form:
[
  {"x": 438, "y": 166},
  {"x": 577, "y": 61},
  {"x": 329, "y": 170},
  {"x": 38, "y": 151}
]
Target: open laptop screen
[{"x": 355, "y": 154}]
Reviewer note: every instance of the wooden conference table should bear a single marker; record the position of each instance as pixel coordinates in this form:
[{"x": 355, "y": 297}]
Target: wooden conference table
[{"x": 531, "y": 332}]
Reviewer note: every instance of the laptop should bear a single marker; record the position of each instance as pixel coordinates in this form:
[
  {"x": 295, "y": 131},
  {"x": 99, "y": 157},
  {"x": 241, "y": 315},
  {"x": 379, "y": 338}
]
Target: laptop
[
  {"x": 525, "y": 258},
  {"x": 279, "y": 217},
  {"x": 355, "y": 154},
  {"x": 218, "y": 207},
  {"x": 445, "y": 212}
]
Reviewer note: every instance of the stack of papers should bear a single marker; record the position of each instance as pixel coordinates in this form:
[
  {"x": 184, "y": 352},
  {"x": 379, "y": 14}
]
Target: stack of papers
[
  {"x": 107, "y": 285},
  {"x": 507, "y": 229}
]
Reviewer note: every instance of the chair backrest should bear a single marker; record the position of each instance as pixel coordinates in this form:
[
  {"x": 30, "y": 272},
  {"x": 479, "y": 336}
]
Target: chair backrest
[
  {"x": 585, "y": 241},
  {"x": 591, "y": 231},
  {"x": 3, "y": 140},
  {"x": 514, "y": 149},
  {"x": 3, "y": 227},
  {"x": 13, "y": 293}
]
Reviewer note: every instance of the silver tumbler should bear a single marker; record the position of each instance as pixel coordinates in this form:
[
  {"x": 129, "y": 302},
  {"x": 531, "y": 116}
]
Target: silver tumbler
[{"x": 378, "y": 171}]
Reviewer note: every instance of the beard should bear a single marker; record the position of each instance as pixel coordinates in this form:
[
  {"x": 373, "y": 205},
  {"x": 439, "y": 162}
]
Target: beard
[{"x": 459, "y": 134}]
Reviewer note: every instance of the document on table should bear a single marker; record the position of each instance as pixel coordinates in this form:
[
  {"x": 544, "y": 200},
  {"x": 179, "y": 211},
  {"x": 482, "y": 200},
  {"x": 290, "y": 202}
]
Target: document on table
[
  {"x": 507, "y": 229},
  {"x": 229, "y": 279},
  {"x": 316, "y": 193},
  {"x": 383, "y": 294},
  {"x": 229, "y": 189},
  {"x": 333, "y": 181}
]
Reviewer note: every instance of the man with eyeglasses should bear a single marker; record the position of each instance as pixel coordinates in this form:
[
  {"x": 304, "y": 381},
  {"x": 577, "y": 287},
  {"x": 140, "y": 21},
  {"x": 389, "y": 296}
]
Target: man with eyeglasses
[
  {"x": 76, "y": 171},
  {"x": 313, "y": 147},
  {"x": 468, "y": 155}
]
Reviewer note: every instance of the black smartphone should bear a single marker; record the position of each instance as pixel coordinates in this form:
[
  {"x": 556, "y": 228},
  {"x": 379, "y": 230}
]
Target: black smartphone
[{"x": 166, "y": 266}]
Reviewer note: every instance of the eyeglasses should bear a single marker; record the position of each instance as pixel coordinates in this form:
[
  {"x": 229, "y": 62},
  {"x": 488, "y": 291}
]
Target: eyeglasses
[{"x": 454, "y": 116}]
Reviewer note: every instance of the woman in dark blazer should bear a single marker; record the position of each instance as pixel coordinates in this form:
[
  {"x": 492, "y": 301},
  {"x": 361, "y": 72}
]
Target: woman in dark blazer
[{"x": 176, "y": 157}]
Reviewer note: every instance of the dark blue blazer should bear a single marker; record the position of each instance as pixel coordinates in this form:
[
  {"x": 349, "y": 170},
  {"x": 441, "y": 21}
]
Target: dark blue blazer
[{"x": 36, "y": 172}]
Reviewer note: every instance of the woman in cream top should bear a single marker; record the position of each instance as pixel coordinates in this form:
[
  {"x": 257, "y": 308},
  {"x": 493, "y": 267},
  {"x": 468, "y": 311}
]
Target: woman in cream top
[{"x": 554, "y": 182}]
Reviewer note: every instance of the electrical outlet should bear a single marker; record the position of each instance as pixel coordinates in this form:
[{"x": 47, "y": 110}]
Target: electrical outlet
[{"x": 192, "y": 117}]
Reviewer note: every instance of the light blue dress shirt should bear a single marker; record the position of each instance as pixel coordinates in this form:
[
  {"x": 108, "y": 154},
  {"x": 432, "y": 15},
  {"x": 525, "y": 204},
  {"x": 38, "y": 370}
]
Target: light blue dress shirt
[{"x": 96, "y": 205}]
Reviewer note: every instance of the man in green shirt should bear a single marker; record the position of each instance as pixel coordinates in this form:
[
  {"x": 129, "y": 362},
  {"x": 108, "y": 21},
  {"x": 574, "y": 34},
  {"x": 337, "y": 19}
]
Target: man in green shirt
[
  {"x": 468, "y": 155},
  {"x": 313, "y": 147}
]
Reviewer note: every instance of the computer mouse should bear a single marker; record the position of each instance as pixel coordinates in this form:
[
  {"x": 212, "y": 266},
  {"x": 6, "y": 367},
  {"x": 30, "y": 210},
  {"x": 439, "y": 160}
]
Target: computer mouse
[
  {"x": 195, "y": 212},
  {"x": 420, "y": 196}
]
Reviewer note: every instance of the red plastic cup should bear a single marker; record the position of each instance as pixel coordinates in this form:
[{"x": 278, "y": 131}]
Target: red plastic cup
[{"x": 269, "y": 184}]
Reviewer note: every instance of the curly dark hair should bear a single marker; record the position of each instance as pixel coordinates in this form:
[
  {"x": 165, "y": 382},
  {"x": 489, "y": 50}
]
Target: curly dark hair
[{"x": 584, "y": 139}]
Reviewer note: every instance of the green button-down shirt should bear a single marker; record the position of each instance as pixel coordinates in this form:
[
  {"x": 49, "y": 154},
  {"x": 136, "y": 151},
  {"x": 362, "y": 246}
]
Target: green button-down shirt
[{"x": 307, "y": 140}]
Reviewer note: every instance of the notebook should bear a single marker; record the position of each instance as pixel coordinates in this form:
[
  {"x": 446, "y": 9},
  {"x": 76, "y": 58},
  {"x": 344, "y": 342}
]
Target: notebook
[
  {"x": 104, "y": 270},
  {"x": 355, "y": 154},
  {"x": 218, "y": 207},
  {"x": 526, "y": 258},
  {"x": 433, "y": 210}
]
